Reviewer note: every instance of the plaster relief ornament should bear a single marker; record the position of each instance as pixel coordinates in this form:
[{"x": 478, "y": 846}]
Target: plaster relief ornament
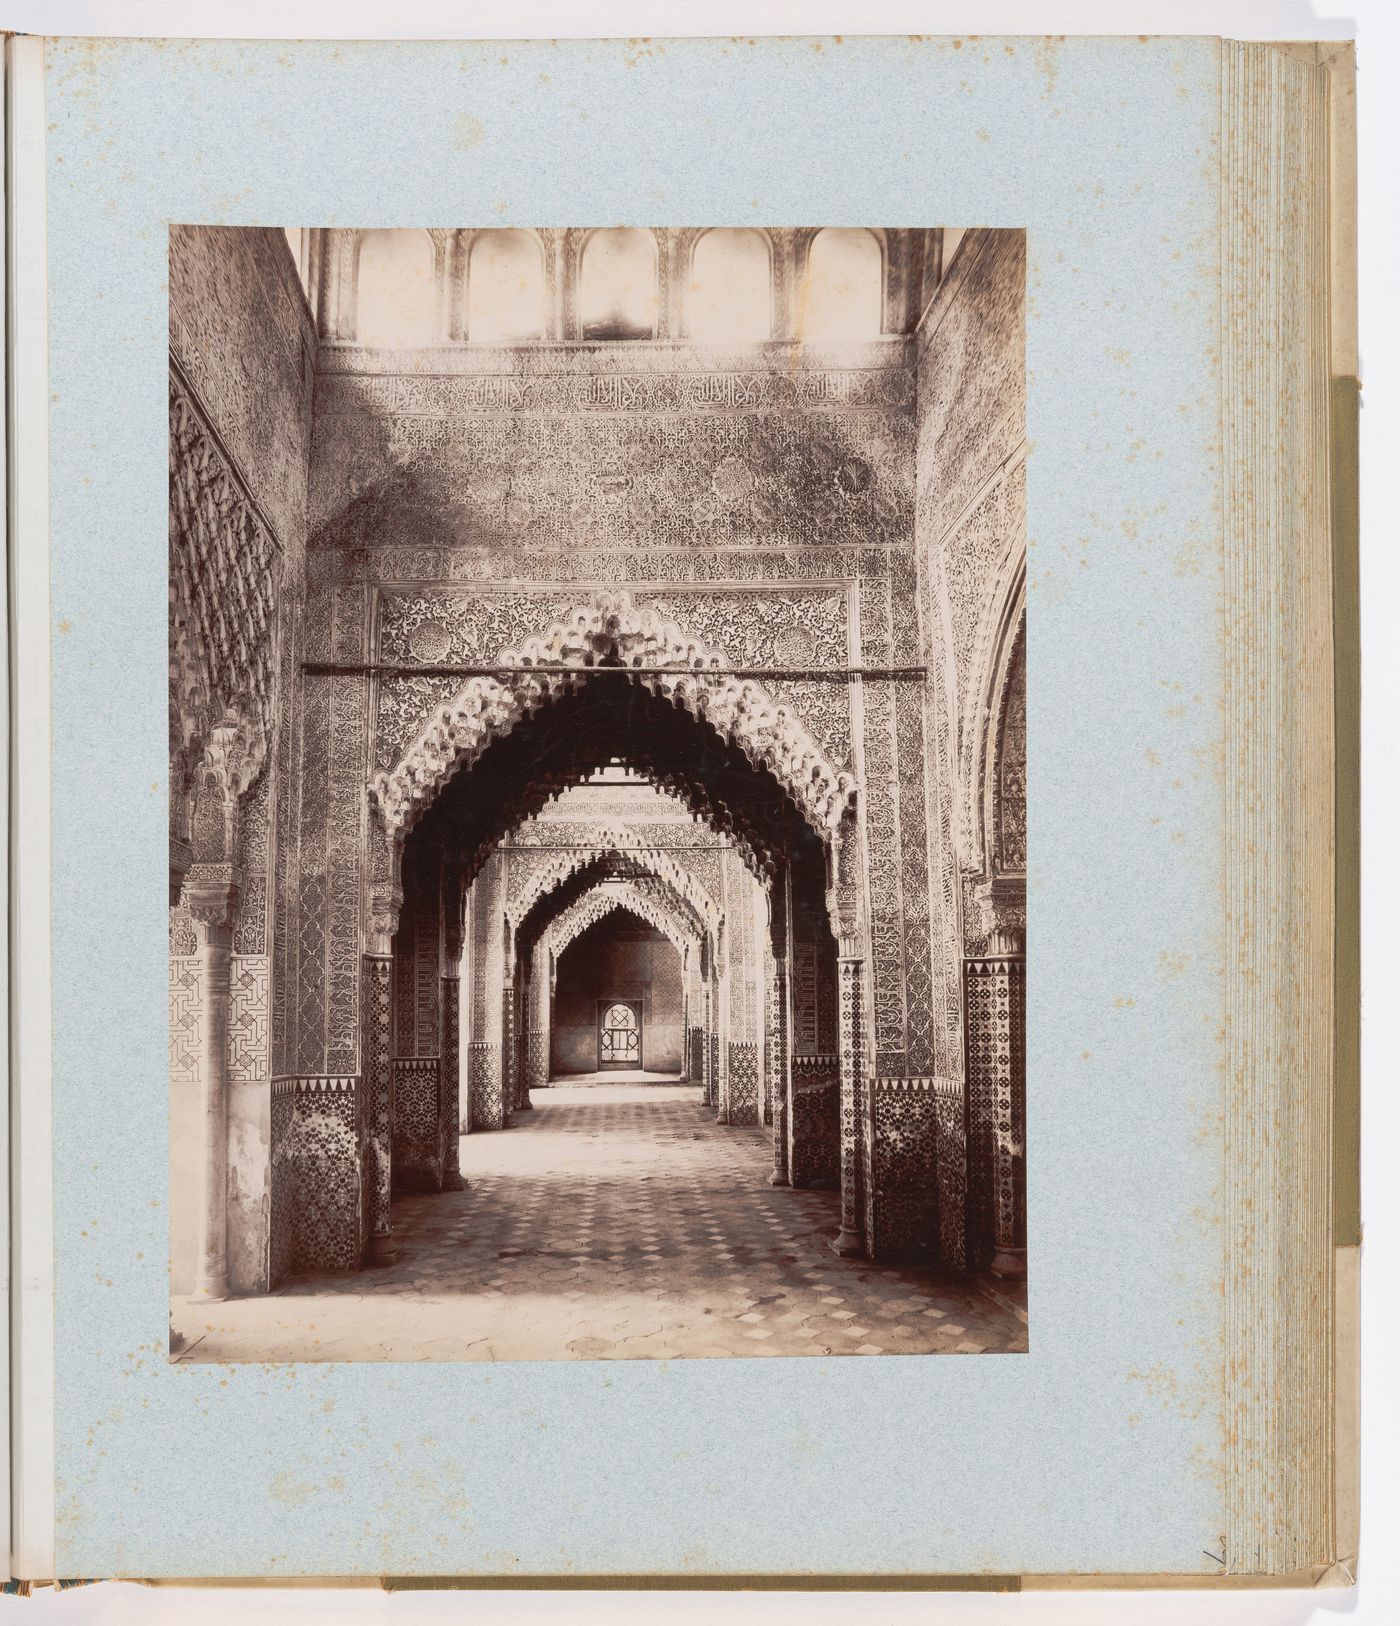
[
  {"x": 603, "y": 900},
  {"x": 732, "y": 480},
  {"x": 853, "y": 476},
  {"x": 607, "y": 841},
  {"x": 669, "y": 663},
  {"x": 430, "y": 641}
]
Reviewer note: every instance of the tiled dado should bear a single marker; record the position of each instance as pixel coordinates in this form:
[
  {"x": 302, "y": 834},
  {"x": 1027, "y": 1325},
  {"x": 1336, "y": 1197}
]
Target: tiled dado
[
  {"x": 485, "y": 1108},
  {"x": 995, "y": 1027},
  {"x": 814, "y": 1155},
  {"x": 917, "y": 1162},
  {"x": 417, "y": 1111},
  {"x": 745, "y": 1106},
  {"x": 317, "y": 1159}
]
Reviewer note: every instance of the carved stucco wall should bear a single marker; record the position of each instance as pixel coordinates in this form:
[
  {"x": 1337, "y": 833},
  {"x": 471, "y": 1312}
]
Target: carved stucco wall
[
  {"x": 801, "y": 511},
  {"x": 971, "y": 527},
  {"x": 764, "y": 500},
  {"x": 627, "y": 446},
  {"x": 970, "y": 521},
  {"x": 242, "y": 345},
  {"x": 240, "y": 330}
]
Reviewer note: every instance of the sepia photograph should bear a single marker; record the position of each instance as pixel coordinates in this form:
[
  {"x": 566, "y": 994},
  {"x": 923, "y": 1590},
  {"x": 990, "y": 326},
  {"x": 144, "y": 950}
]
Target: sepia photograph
[{"x": 598, "y": 811}]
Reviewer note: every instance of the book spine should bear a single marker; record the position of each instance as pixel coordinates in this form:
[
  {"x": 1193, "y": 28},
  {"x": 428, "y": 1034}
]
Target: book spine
[{"x": 31, "y": 1301}]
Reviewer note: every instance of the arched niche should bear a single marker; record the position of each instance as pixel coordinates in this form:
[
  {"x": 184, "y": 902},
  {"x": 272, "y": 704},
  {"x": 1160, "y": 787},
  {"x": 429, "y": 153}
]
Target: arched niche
[
  {"x": 729, "y": 297},
  {"x": 841, "y": 293},
  {"x": 607, "y": 897},
  {"x": 608, "y": 637},
  {"x": 396, "y": 289},
  {"x": 618, "y": 295},
  {"x": 505, "y": 287},
  {"x": 993, "y": 764}
]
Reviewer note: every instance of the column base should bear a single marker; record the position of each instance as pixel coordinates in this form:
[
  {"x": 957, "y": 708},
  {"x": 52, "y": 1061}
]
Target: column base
[
  {"x": 776, "y": 1179},
  {"x": 382, "y": 1249},
  {"x": 453, "y": 1181},
  {"x": 847, "y": 1244},
  {"x": 210, "y": 1293},
  {"x": 1009, "y": 1262}
]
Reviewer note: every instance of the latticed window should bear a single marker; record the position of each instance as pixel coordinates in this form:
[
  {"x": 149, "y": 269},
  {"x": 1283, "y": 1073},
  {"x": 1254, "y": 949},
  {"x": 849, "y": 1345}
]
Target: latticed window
[{"x": 620, "y": 1036}]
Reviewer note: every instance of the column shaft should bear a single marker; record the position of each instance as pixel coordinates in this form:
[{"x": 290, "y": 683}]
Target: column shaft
[
  {"x": 779, "y": 1081},
  {"x": 451, "y": 1064},
  {"x": 378, "y": 1072},
  {"x": 850, "y": 1240},
  {"x": 211, "y": 1279}
]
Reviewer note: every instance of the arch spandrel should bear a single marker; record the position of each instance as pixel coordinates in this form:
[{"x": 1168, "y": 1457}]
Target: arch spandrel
[
  {"x": 1001, "y": 632},
  {"x": 597, "y": 904},
  {"x": 548, "y": 877},
  {"x": 611, "y": 631}
]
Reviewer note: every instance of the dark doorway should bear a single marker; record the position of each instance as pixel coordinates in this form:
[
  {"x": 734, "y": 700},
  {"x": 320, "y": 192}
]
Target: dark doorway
[{"x": 619, "y": 1005}]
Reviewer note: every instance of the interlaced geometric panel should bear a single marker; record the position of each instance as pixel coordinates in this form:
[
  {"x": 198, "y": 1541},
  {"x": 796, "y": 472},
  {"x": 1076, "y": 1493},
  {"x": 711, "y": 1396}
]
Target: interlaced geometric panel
[
  {"x": 185, "y": 1008},
  {"x": 743, "y": 1084},
  {"x": 225, "y": 566},
  {"x": 816, "y": 1123},
  {"x": 247, "y": 1019},
  {"x": 904, "y": 1197},
  {"x": 417, "y": 1111}
]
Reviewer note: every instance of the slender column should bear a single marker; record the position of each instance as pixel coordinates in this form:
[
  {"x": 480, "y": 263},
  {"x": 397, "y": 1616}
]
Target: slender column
[
  {"x": 337, "y": 283},
  {"x": 779, "y": 1081},
  {"x": 667, "y": 316},
  {"x": 511, "y": 1082},
  {"x": 707, "y": 1044},
  {"x": 565, "y": 287},
  {"x": 450, "y": 1057},
  {"x": 850, "y": 1240},
  {"x": 722, "y": 1025},
  {"x": 537, "y": 1021},
  {"x": 377, "y": 1061},
  {"x": 488, "y": 1104},
  {"x": 212, "y": 890},
  {"x": 784, "y": 294},
  {"x": 442, "y": 239}
]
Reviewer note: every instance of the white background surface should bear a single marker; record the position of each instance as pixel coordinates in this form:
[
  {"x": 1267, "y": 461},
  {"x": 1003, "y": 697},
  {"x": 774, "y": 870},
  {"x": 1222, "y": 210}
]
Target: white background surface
[{"x": 1376, "y": 25}]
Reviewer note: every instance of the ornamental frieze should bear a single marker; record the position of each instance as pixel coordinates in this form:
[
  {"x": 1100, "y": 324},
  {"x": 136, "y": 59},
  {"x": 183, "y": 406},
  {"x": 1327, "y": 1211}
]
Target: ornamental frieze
[
  {"x": 787, "y": 479},
  {"x": 892, "y": 353},
  {"x": 414, "y": 395},
  {"x": 695, "y": 563},
  {"x": 800, "y": 631}
]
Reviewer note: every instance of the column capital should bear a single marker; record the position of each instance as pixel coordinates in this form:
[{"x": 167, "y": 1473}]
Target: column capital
[
  {"x": 212, "y": 892},
  {"x": 181, "y": 857},
  {"x": 843, "y": 909},
  {"x": 994, "y": 916},
  {"x": 382, "y": 917}
]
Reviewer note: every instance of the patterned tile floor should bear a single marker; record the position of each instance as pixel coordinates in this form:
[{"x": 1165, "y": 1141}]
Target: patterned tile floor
[{"x": 615, "y": 1221}]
